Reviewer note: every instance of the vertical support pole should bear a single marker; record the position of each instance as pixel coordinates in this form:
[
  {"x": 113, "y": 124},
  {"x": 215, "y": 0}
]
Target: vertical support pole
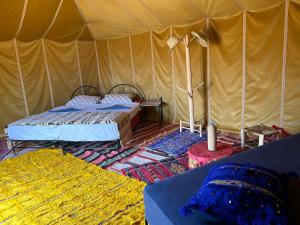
[
  {"x": 189, "y": 83},
  {"x": 261, "y": 139},
  {"x": 47, "y": 71},
  {"x": 21, "y": 76}
]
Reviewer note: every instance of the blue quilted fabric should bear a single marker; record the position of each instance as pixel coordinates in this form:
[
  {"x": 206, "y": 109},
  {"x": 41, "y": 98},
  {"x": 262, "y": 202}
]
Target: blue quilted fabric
[{"x": 242, "y": 194}]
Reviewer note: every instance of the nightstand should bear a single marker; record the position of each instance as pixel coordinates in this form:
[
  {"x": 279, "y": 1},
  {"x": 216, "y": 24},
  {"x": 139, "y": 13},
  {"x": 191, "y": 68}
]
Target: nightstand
[{"x": 155, "y": 103}]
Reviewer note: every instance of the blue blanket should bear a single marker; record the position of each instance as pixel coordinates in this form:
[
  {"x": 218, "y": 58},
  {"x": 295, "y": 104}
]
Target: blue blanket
[
  {"x": 177, "y": 142},
  {"x": 64, "y": 110},
  {"x": 114, "y": 107}
]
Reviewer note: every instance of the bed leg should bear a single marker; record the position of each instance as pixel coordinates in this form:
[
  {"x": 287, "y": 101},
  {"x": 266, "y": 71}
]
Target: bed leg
[
  {"x": 146, "y": 222},
  {"x": 62, "y": 145}
]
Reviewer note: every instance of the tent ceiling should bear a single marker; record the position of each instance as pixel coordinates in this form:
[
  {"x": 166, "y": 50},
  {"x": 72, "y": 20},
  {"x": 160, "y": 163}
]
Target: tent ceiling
[{"x": 66, "y": 20}]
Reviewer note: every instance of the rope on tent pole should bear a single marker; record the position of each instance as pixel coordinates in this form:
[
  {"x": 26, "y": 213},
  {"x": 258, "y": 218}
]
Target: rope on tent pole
[
  {"x": 22, "y": 18},
  {"x": 98, "y": 65},
  {"x": 47, "y": 72},
  {"x": 54, "y": 18},
  {"x": 283, "y": 72},
  {"x": 21, "y": 76}
]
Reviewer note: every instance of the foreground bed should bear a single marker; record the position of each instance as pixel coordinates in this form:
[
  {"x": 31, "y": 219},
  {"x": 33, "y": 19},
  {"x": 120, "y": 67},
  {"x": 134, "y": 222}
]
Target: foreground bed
[
  {"x": 163, "y": 199},
  {"x": 46, "y": 187}
]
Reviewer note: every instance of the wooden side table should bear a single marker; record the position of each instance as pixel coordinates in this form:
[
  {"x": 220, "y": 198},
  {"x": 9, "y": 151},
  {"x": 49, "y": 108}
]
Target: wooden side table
[
  {"x": 156, "y": 103},
  {"x": 261, "y": 131}
]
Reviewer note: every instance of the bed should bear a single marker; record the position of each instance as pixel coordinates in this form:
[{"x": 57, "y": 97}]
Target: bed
[
  {"x": 46, "y": 187},
  {"x": 91, "y": 122},
  {"x": 163, "y": 199}
]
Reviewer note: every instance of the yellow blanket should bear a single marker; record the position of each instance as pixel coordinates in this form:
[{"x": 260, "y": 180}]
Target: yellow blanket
[{"x": 47, "y": 187}]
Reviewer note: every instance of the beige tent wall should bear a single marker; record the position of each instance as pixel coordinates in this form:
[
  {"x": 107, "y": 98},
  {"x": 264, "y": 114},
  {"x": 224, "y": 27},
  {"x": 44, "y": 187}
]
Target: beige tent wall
[
  {"x": 226, "y": 71},
  {"x": 232, "y": 104}
]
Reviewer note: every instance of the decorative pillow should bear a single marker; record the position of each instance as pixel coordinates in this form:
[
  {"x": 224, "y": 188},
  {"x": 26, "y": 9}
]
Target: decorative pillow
[
  {"x": 117, "y": 98},
  {"x": 83, "y": 100},
  {"x": 242, "y": 194}
]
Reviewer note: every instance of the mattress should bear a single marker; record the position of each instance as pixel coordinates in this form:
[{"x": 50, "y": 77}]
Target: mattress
[
  {"x": 47, "y": 187},
  {"x": 163, "y": 199},
  {"x": 99, "y": 122}
]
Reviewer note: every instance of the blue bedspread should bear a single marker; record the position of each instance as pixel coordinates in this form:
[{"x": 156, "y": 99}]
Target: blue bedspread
[{"x": 163, "y": 199}]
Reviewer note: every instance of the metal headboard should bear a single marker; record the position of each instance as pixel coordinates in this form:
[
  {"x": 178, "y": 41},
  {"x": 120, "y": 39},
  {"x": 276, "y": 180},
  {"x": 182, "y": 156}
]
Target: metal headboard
[
  {"x": 86, "y": 90},
  {"x": 127, "y": 89}
]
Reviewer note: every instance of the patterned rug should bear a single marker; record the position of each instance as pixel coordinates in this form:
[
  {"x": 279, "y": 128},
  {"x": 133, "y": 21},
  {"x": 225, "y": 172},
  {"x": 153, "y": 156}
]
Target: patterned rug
[
  {"x": 3, "y": 149},
  {"x": 177, "y": 142},
  {"x": 157, "y": 171},
  {"x": 142, "y": 156}
]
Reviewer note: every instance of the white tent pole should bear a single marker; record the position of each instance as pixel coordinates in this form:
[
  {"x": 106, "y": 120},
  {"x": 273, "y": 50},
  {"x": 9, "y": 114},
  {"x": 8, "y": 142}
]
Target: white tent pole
[
  {"x": 173, "y": 81},
  {"x": 54, "y": 18},
  {"x": 283, "y": 72},
  {"x": 78, "y": 63},
  {"x": 47, "y": 71},
  {"x": 152, "y": 63},
  {"x": 98, "y": 65},
  {"x": 21, "y": 76},
  {"x": 189, "y": 82},
  {"x": 22, "y": 19},
  {"x": 131, "y": 59},
  {"x": 244, "y": 69},
  {"x": 110, "y": 64},
  {"x": 208, "y": 81}
]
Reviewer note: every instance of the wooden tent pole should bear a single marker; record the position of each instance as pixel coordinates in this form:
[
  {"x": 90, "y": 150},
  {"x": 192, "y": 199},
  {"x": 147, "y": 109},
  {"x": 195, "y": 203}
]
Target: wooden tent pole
[{"x": 189, "y": 82}]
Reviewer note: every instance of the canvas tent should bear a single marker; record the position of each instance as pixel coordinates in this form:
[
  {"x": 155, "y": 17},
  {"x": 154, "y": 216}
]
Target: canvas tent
[{"x": 251, "y": 67}]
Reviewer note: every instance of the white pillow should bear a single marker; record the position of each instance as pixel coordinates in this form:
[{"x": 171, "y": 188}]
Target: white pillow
[
  {"x": 84, "y": 100},
  {"x": 117, "y": 98}
]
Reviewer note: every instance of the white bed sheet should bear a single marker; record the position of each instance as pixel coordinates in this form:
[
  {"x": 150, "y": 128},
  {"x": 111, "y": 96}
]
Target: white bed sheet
[{"x": 74, "y": 132}]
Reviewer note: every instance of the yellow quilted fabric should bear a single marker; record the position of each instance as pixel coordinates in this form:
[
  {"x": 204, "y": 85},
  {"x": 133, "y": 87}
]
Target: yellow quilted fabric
[{"x": 47, "y": 187}]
